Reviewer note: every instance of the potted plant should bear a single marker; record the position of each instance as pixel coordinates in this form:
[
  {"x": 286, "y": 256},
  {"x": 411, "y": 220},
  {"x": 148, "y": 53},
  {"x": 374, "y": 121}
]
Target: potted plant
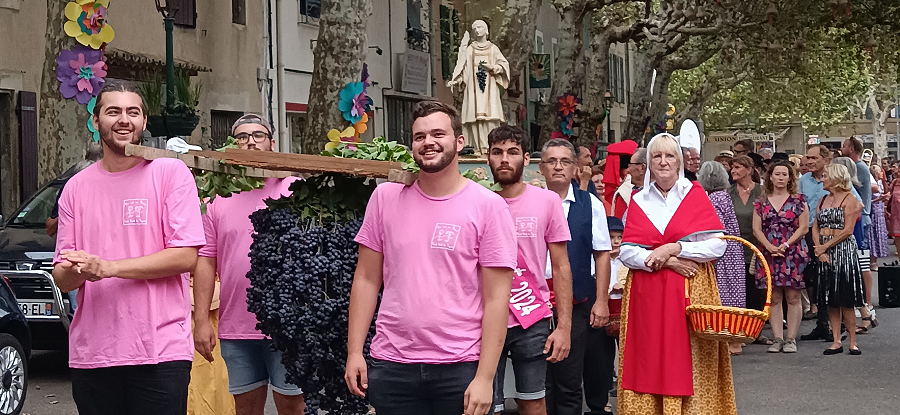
[
  {"x": 183, "y": 117},
  {"x": 153, "y": 92},
  {"x": 179, "y": 120}
]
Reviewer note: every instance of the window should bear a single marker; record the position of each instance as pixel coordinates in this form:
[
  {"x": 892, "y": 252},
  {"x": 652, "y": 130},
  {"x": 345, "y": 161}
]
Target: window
[
  {"x": 35, "y": 213},
  {"x": 239, "y": 11},
  {"x": 399, "y": 122},
  {"x": 221, "y": 126},
  {"x": 449, "y": 35},
  {"x": 617, "y": 78},
  {"x": 186, "y": 16},
  {"x": 309, "y": 10}
]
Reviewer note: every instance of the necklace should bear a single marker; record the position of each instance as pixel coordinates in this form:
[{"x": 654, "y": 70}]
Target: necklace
[
  {"x": 747, "y": 190},
  {"x": 665, "y": 193}
]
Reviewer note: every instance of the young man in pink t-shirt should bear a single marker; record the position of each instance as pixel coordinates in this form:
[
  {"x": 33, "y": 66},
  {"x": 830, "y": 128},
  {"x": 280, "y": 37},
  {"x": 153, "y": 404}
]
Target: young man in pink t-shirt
[
  {"x": 251, "y": 360},
  {"x": 444, "y": 249},
  {"x": 540, "y": 227},
  {"x": 129, "y": 231}
]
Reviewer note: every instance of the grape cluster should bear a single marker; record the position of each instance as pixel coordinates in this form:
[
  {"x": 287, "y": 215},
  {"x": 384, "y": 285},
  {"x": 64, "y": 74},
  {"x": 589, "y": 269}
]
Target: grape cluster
[
  {"x": 300, "y": 280},
  {"x": 482, "y": 78}
]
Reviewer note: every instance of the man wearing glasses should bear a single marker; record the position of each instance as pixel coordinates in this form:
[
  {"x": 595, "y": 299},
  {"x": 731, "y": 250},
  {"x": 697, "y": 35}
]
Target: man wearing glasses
[
  {"x": 742, "y": 148},
  {"x": 249, "y": 356},
  {"x": 589, "y": 245}
]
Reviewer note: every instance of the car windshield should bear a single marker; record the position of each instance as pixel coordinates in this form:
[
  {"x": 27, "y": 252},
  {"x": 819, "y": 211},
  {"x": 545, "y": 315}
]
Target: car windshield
[{"x": 37, "y": 210}]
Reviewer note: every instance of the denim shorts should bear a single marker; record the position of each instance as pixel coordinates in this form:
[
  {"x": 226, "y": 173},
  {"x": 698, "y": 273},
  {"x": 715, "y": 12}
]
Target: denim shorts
[
  {"x": 525, "y": 347},
  {"x": 255, "y": 363}
]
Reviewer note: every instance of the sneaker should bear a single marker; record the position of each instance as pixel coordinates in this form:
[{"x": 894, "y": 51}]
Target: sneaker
[
  {"x": 776, "y": 346},
  {"x": 790, "y": 346}
]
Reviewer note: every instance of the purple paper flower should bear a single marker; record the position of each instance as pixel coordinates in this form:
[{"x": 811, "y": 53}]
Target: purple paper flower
[{"x": 80, "y": 73}]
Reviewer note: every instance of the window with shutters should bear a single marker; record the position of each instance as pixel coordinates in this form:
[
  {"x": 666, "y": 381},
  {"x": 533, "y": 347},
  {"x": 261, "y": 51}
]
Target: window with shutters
[
  {"x": 239, "y": 11},
  {"x": 186, "y": 16},
  {"x": 221, "y": 126}
]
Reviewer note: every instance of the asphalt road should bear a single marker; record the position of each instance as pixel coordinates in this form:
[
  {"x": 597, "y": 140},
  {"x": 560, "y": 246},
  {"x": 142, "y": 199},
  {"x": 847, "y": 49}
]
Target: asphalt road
[{"x": 803, "y": 383}]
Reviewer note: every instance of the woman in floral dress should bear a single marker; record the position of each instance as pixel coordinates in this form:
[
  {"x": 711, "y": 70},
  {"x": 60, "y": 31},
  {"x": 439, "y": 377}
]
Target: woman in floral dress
[
  {"x": 878, "y": 244},
  {"x": 730, "y": 268},
  {"x": 780, "y": 222}
]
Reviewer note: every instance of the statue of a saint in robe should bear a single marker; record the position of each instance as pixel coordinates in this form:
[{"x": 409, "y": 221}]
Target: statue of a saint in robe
[{"x": 480, "y": 72}]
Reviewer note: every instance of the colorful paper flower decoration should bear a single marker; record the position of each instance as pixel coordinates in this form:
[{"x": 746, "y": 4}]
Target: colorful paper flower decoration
[
  {"x": 87, "y": 22},
  {"x": 361, "y": 126},
  {"x": 568, "y": 103},
  {"x": 80, "y": 73},
  {"x": 354, "y": 102},
  {"x": 335, "y": 138},
  {"x": 90, "y": 124},
  {"x": 568, "y": 126}
]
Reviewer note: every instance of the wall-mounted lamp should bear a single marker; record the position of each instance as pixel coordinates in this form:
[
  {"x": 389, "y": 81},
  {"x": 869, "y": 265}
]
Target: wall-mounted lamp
[
  {"x": 377, "y": 50},
  {"x": 312, "y": 43}
]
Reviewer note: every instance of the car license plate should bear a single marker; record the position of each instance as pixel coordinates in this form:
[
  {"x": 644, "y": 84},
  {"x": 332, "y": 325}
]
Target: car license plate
[{"x": 32, "y": 309}]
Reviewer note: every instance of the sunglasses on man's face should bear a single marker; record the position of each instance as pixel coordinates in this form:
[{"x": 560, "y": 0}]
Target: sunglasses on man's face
[{"x": 258, "y": 137}]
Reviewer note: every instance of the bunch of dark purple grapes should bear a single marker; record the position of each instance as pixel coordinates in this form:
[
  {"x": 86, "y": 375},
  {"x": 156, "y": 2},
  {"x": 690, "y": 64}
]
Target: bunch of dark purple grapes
[
  {"x": 300, "y": 279},
  {"x": 482, "y": 75}
]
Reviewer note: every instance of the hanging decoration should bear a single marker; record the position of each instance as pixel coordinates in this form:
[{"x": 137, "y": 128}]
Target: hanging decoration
[
  {"x": 354, "y": 102},
  {"x": 568, "y": 107},
  {"x": 95, "y": 134},
  {"x": 80, "y": 73},
  {"x": 87, "y": 22}
]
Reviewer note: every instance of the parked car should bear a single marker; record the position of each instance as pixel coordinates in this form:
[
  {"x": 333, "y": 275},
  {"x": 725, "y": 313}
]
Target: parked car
[
  {"x": 15, "y": 349},
  {"x": 25, "y": 246}
]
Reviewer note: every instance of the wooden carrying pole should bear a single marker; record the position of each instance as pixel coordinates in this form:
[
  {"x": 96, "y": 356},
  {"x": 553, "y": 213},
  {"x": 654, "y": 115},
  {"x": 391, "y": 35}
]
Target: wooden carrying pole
[{"x": 273, "y": 164}]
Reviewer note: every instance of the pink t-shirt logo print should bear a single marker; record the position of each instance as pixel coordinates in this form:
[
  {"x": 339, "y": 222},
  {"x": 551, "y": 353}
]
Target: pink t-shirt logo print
[
  {"x": 445, "y": 236},
  {"x": 526, "y": 227},
  {"x": 134, "y": 211}
]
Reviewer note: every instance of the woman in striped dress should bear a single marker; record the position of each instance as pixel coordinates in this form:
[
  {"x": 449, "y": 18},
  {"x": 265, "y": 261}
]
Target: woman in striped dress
[
  {"x": 840, "y": 279},
  {"x": 878, "y": 236}
]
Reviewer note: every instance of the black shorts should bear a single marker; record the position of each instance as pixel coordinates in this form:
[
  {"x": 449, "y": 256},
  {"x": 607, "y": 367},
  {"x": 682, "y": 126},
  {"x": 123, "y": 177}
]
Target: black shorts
[{"x": 159, "y": 389}]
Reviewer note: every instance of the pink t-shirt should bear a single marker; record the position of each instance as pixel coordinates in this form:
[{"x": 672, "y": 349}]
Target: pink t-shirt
[
  {"x": 539, "y": 220},
  {"x": 134, "y": 213},
  {"x": 228, "y": 238},
  {"x": 432, "y": 303}
]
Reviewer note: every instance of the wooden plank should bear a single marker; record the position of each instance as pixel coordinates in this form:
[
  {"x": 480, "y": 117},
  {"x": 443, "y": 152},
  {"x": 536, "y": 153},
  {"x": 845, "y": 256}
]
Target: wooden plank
[
  {"x": 200, "y": 160},
  {"x": 306, "y": 163}
]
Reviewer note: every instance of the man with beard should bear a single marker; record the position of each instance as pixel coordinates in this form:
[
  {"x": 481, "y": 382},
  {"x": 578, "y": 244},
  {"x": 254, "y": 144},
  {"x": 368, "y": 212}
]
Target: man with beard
[
  {"x": 251, "y": 360},
  {"x": 588, "y": 254},
  {"x": 129, "y": 231},
  {"x": 444, "y": 249},
  {"x": 540, "y": 227}
]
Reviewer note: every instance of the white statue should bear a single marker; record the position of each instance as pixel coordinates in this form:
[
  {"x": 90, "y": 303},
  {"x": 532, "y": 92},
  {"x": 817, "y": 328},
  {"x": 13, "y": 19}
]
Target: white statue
[{"x": 480, "y": 72}]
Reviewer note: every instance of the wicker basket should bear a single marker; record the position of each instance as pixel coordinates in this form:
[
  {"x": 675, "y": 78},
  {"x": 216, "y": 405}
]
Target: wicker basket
[{"x": 732, "y": 324}]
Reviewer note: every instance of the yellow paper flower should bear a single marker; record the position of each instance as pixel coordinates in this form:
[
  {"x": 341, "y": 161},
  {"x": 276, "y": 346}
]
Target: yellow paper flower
[
  {"x": 87, "y": 22},
  {"x": 362, "y": 125},
  {"x": 335, "y": 138}
]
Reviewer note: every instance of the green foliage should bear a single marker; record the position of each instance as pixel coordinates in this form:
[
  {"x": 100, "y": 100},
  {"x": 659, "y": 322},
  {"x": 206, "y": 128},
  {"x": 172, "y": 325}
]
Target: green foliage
[
  {"x": 378, "y": 149},
  {"x": 153, "y": 92},
  {"x": 759, "y": 87},
  {"x": 327, "y": 198},
  {"x": 211, "y": 184},
  {"x": 478, "y": 175}
]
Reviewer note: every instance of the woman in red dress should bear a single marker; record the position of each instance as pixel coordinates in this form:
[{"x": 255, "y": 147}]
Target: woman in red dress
[{"x": 670, "y": 239}]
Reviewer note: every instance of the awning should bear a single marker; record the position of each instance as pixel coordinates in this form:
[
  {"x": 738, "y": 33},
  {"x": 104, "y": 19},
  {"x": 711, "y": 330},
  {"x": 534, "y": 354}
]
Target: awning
[{"x": 124, "y": 59}]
